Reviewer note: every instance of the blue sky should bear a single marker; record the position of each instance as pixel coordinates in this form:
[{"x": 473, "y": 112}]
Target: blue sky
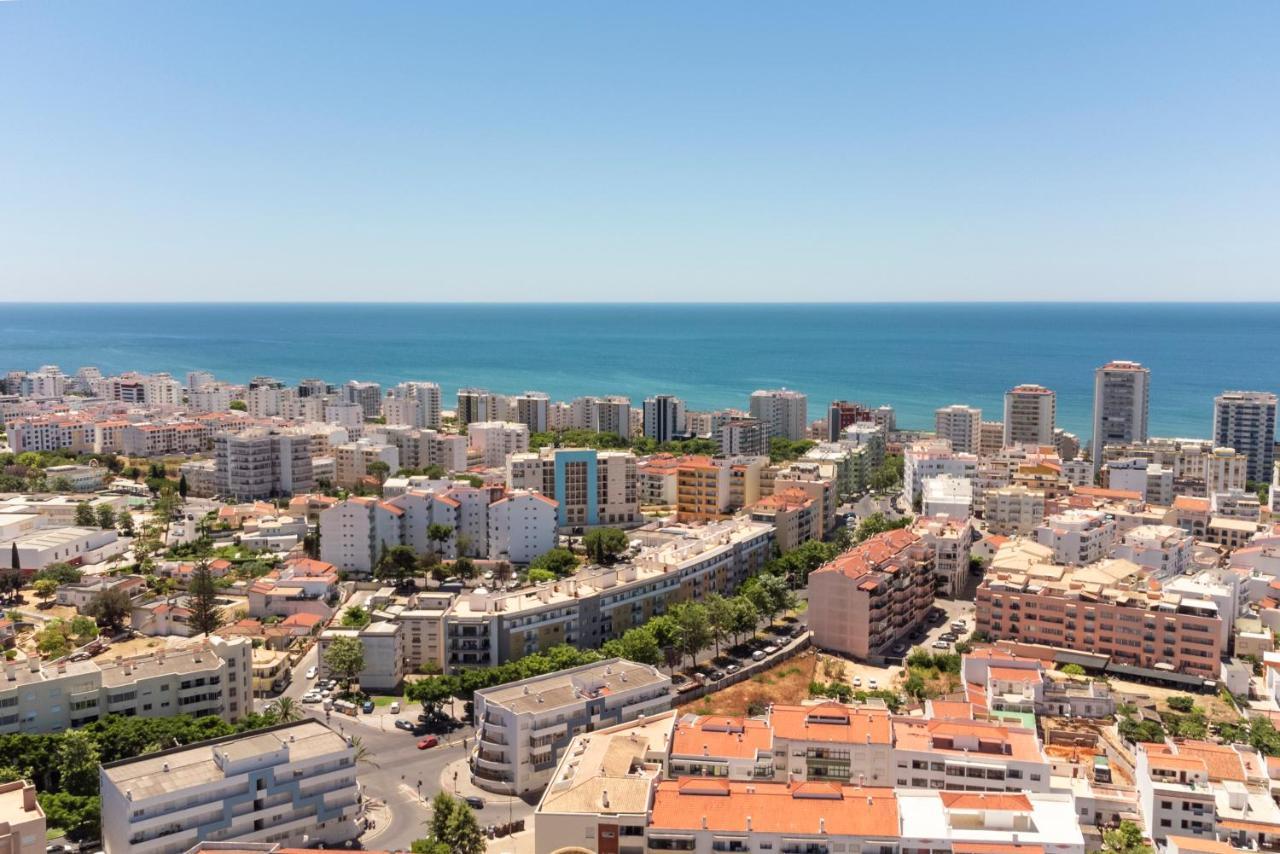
[{"x": 646, "y": 151}]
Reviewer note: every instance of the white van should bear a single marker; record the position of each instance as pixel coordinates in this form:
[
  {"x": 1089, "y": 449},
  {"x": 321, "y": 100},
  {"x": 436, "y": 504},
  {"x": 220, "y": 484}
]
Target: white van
[{"x": 758, "y": 655}]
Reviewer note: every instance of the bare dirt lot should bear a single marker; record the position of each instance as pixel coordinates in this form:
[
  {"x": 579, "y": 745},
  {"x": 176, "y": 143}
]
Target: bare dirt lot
[{"x": 788, "y": 682}]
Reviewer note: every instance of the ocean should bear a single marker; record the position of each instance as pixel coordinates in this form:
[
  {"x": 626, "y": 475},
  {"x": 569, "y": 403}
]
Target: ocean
[{"x": 915, "y": 357}]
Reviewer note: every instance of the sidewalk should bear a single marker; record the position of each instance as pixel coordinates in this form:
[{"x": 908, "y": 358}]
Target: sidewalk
[{"x": 495, "y": 811}]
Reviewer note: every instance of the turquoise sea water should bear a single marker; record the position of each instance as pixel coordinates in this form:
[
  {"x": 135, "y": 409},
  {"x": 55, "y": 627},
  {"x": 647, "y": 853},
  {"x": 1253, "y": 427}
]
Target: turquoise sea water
[{"x": 914, "y": 356}]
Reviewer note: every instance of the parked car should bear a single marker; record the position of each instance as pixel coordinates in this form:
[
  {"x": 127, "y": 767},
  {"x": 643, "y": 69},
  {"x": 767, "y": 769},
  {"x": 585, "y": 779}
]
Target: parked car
[
  {"x": 311, "y": 672},
  {"x": 758, "y": 655},
  {"x": 899, "y": 648},
  {"x": 857, "y": 681},
  {"x": 797, "y": 630},
  {"x": 701, "y": 677},
  {"x": 958, "y": 626},
  {"x": 770, "y": 649},
  {"x": 394, "y": 708},
  {"x": 312, "y": 697},
  {"x": 428, "y": 742},
  {"x": 476, "y": 803},
  {"x": 716, "y": 675},
  {"x": 941, "y": 644},
  {"x": 732, "y": 668},
  {"x": 367, "y": 707},
  {"x": 871, "y": 683},
  {"x": 402, "y": 723}
]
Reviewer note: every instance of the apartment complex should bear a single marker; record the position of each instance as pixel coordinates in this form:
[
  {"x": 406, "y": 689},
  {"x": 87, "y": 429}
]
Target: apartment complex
[
  {"x": 961, "y": 426},
  {"x": 590, "y": 487},
  {"x": 842, "y": 413},
  {"x": 262, "y": 463},
  {"x": 353, "y": 459},
  {"x": 664, "y": 418},
  {"x": 709, "y": 488},
  {"x": 22, "y": 823},
  {"x": 1029, "y": 412},
  {"x": 1112, "y": 608},
  {"x": 1121, "y": 403},
  {"x": 783, "y": 412},
  {"x": 872, "y": 595},
  {"x": 481, "y": 629},
  {"x": 931, "y": 458},
  {"x": 522, "y": 728},
  {"x": 795, "y": 515},
  {"x": 211, "y": 677},
  {"x": 494, "y": 441},
  {"x": 291, "y": 783},
  {"x": 1246, "y": 421},
  {"x": 415, "y": 404},
  {"x": 742, "y": 437}
]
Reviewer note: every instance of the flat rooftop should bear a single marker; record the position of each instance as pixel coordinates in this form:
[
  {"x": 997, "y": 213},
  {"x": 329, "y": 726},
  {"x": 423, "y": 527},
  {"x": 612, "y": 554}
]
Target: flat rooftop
[
  {"x": 564, "y": 688},
  {"x": 195, "y": 765}
]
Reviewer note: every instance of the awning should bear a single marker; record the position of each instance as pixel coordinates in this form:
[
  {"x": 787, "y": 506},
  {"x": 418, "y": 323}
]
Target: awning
[
  {"x": 1084, "y": 659},
  {"x": 1158, "y": 675}
]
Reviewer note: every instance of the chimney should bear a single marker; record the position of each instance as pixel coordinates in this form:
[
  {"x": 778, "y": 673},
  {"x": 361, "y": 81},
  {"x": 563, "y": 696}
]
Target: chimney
[
  {"x": 604, "y": 799},
  {"x": 822, "y": 824},
  {"x": 748, "y": 822},
  {"x": 34, "y": 663}
]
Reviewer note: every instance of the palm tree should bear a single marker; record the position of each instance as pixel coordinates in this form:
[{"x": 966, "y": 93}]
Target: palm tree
[
  {"x": 362, "y": 753},
  {"x": 285, "y": 710}
]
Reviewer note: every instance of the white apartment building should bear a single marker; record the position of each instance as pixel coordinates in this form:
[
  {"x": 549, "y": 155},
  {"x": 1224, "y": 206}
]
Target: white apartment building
[
  {"x": 384, "y": 654},
  {"x": 209, "y": 398},
  {"x": 415, "y": 404},
  {"x": 784, "y": 411},
  {"x": 591, "y": 487},
  {"x": 522, "y": 728},
  {"x": 1029, "y": 412},
  {"x": 522, "y": 526},
  {"x": 1225, "y": 470},
  {"x": 1152, "y": 481},
  {"x": 367, "y": 395},
  {"x": 340, "y": 412},
  {"x": 742, "y": 437},
  {"x": 1246, "y": 421},
  {"x": 611, "y": 414},
  {"x": 664, "y": 418},
  {"x": 211, "y": 677},
  {"x": 1121, "y": 402},
  {"x": 421, "y": 449},
  {"x": 262, "y": 463},
  {"x": 932, "y": 458},
  {"x": 947, "y": 495},
  {"x": 533, "y": 410},
  {"x": 961, "y": 426},
  {"x": 497, "y": 440},
  {"x": 353, "y": 531},
  {"x": 951, "y": 538},
  {"x": 1077, "y": 537},
  {"x": 293, "y": 783},
  {"x": 1167, "y": 550}
]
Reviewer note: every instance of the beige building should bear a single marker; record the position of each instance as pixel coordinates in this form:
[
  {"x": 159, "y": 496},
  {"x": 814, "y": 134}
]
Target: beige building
[
  {"x": 873, "y": 595},
  {"x": 22, "y": 824},
  {"x": 960, "y": 425},
  {"x": 1013, "y": 510},
  {"x": 794, "y": 515},
  {"x": 1029, "y": 415}
]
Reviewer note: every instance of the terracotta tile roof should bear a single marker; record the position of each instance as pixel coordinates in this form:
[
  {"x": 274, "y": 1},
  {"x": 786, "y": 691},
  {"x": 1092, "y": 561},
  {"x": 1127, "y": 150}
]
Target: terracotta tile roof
[
  {"x": 995, "y": 848},
  {"x": 1222, "y": 761},
  {"x": 718, "y": 736},
  {"x": 781, "y": 808},
  {"x": 1188, "y": 502},
  {"x": 1099, "y": 492},
  {"x": 1003, "y": 801},
  {"x": 1014, "y": 674},
  {"x": 831, "y": 722},
  {"x": 871, "y": 554}
]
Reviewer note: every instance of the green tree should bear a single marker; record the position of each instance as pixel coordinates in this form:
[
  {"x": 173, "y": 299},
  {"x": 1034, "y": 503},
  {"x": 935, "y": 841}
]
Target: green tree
[
  {"x": 206, "y": 613},
  {"x": 1125, "y": 839},
  {"x": 46, "y": 589},
  {"x": 888, "y": 474},
  {"x": 105, "y": 517},
  {"x": 745, "y": 617},
  {"x": 124, "y": 522},
  {"x": 878, "y": 523},
  {"x": 439, "y": 534},
  {"x": 782, "y": 449},
  {"x": 915, "y": 686},
  {"x": 559, "y": 562},
  {"x": 83, "y": 629},
  {"x": 284, "y": 710},
  {"x": 239, "y": 406},
  {"x": 345, "y": 657},
  {"x": 78, "y": 762},
  {"x": 719, "y": 618},
  {"x": 636, "y": 644},
  {"x": 355, "y": 617},
  {"x": 452, "y": 829},
  {"x": 84, "y": 515},
  {"x": 537, "y": 575},
  {"x": 79, "y": 816},
  {"x": 398, "y": 562},
  {"x": 603, "y": 545},
  {"x": 63, "y": 573},
  {"x": 769, "y": 594},
  {"x": 1073, "y": 669},
  {"x": 109, "y": 608},
  {"x": 378, "y": 470},
  {"x": 52, "y": 641},
  {"x": 183, "y": 487},
  {"x": 432, "y": 692},
  {"x": 693, "y": 627},
  {"x": 666, "y": 632}
]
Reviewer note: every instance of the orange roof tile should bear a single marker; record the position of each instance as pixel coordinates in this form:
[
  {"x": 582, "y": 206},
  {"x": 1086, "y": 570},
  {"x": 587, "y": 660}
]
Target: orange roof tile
[
  {"x": 1222, "y": 761},
  {"x": 718, "y": 736},
  {"x": 807, "y": 808},
  {"x": 871, "y": 554},
  {"x": 1005, "y": 802},
  {"x": 831, "y": 722}
]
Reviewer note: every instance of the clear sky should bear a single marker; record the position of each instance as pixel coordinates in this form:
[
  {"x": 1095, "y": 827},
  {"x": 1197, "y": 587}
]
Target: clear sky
[{"x": 282, "y": 150}]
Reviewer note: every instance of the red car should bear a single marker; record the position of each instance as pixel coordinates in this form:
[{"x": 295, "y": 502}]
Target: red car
[{"x": 429, "y": 741}]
